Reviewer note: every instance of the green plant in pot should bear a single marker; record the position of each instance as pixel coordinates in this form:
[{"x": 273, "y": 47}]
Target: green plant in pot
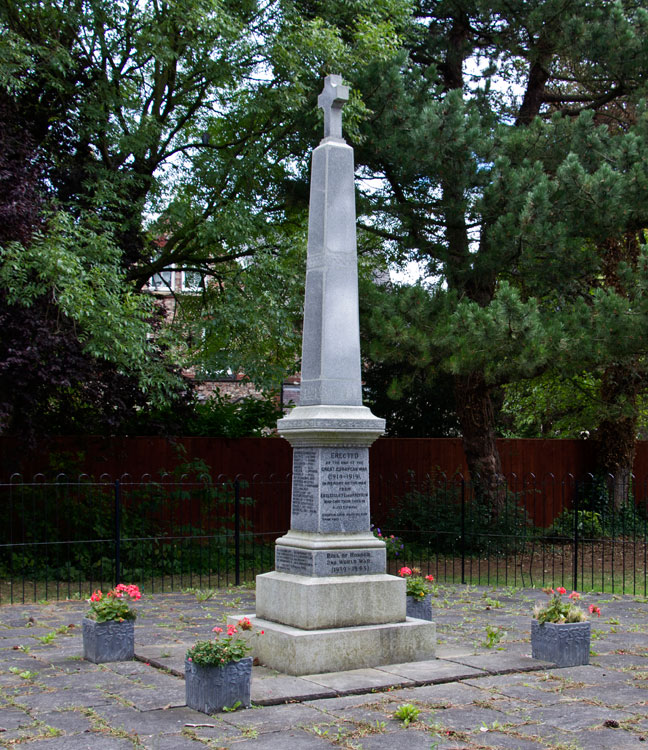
[
  {"x": 560, "y": 630},
  {"x": 418, "y": 589},
  {"x": 108, "y": 628},
  {"x": 218, "y": 672}
]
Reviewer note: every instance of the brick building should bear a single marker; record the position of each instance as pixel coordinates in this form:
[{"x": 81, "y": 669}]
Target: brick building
[{"x": 166, "y": 286}]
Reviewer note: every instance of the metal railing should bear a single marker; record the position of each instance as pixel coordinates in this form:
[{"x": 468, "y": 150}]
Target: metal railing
[{"x": 63, "y": 538}]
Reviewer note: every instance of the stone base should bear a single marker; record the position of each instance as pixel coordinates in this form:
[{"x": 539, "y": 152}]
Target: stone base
[
  {"x": 330, "y": 602},
  {"x": 311, "y": 554},
  {"x": 298, "y": 652}
]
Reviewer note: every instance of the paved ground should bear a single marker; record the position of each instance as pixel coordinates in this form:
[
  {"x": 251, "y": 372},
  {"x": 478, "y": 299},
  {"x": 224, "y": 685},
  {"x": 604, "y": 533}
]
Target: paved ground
[{"x": 484, "y": 690}]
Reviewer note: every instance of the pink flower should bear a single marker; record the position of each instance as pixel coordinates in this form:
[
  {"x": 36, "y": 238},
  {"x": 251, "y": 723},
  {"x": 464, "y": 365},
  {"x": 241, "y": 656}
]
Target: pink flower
[
  {"x": 429, "y": 578},
  {"x": 245, "y": 624},
  {"x": 593, "y": 609},
  {"x": 189, "y": 658},
  {"x": 404, "y": 572},
  {"x": 96, "y": 596},
  {"x": 231, "y": 630},
  {"x": 262, "y": 632},
  {"x": 574, "y": 595},
  {"x": 132, "y": 590},
  {"x": 561, "y": 590},
  {"x": 217, "y": 630}
]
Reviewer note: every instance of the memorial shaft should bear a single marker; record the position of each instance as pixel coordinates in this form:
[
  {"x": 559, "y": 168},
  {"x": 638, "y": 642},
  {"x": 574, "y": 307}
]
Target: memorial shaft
[{"x": 330, "y": 569}]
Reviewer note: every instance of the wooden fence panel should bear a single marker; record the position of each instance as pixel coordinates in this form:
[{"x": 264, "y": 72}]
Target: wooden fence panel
[{"x": 540, "y": 471}]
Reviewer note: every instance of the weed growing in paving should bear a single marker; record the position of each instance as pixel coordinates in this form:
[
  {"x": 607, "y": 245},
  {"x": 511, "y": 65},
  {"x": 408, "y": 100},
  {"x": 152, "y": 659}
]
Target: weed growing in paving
[
  {"x": 493, "y": 636},
  {"x": 407, "y": 713}
]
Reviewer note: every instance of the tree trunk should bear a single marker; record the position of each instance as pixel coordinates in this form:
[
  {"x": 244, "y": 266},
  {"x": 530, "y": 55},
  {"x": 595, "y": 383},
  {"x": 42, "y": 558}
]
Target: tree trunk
[
  {"x": 477, "y": 420},
  {"x": 621, "y": 383},
  {"x": 616, "y": 434}
]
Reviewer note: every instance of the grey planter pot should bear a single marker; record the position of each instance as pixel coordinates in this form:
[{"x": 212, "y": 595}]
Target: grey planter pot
[
  {"x": 567, "y": 645},
  {"x": 210, "y": 689},
  {"x": 420, "y": 608},
  {"x": 108, "y": 641}
]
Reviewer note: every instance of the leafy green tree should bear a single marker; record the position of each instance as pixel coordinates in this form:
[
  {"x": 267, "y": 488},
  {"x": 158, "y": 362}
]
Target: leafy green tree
[
  {"x": 169, "y": 134},
  {"x": 497, "y": 176}
]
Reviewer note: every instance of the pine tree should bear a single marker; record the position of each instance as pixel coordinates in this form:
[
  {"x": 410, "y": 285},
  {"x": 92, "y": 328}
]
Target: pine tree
[{"x": 499, "y": 176}]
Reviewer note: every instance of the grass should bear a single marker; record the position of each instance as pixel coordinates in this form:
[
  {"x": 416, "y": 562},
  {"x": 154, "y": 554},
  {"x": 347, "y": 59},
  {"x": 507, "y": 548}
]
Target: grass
[{"x": 618, "y": 567}]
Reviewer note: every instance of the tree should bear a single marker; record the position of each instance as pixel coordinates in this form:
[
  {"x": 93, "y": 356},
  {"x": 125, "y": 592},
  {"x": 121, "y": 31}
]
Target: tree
[
  {"x": 168, "y": 134},
  {"x": 503, "y": 195}
]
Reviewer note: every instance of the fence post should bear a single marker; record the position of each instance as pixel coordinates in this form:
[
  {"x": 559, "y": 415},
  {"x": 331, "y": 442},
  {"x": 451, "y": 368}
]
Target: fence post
[
  {"x": 117, "y": 532},
  {"x": 462, "y": 541},
  {"x": 575, "y": 553},
  {"x": 237, "y": 532}
]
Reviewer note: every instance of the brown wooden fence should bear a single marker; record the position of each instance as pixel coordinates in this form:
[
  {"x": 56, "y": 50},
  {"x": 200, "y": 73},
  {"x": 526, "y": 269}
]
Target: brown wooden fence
[
  {"x": 541, "y": 472},
  {"x": 272, "y": 456}
]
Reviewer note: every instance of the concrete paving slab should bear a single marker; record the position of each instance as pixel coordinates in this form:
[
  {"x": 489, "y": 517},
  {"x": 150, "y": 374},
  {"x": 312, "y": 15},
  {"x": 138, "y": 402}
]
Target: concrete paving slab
[
  {"x": 166, "y": 656},
  {"x": 621, "y": 661},
  {"x": 617, "y": 696},
  {"x": 503, "y": 663},
  {"x": 492, "y": 739},
  {"x": 270, "y": 691},
  {"x": 358, "y": 680},
  {"x": 575, "y": 715},
  {"x": 366, "y": 718},
  {"x": 343, "y": 702},
  {"x": 170, "y": 721},
  {"x": 148, "y": 699},
  {"x": 410, "y": 738},
  {"x": 70, "y": 722},
  {"x": 294, "y": 739},
  {"x": 443, "y": 694},
  {"x": 528, "y": 687},
  {"x": 13, "y": 718},
  {"x": 168, "y": 742},
  {"x": 62, "y": 699},
  {"x": 433, "y": 671},
  {"x": 606, "y": 739},
  {"x": 90, "y": 741},
  {"x": 275, "y": 718},
  {"x": 547, "y": 700},
  {"x": 471, "y": 718},
  {"x": 589, "y": 674}
]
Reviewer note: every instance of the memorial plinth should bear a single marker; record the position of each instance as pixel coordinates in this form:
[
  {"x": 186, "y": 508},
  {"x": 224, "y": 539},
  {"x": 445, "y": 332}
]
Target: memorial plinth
[{"x": 329, "y": 605}]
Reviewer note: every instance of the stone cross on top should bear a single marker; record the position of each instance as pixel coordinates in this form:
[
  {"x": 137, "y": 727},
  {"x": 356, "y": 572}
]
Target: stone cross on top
[{"x": 331, "y": 100}]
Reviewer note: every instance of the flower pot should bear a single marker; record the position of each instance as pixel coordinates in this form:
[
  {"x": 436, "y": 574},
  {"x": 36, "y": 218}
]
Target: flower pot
[
  {"x": 418, "y": 607},
  {"x": 210, "y": 689},
  {"x": 108, "y": 641},
  {"x": 566, "y": 644}
]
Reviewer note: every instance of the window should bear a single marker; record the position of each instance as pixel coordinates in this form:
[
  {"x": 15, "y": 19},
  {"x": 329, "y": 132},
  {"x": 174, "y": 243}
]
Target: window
[
  {"x": 161, "y": 282},
  {"x": 192, "y": 281}
]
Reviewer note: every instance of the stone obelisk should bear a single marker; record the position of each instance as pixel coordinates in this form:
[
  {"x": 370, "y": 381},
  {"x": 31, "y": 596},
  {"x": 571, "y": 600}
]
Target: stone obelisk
[{"x": 329, "y": 604}]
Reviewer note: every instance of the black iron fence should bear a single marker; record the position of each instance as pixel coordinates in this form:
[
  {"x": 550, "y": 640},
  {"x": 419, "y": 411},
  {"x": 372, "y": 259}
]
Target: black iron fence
[{"x": 62, "y": 538}]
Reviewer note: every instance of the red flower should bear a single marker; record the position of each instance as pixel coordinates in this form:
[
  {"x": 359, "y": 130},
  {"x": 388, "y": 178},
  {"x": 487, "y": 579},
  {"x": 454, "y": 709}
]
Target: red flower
[
  {"x": 593, "y": 609},
  {"x": 429, "y": 578},
  {"x": 574, "y": 595},
  {"x": 245, "y": 624},
  {"x": 404, "y": 572},
  {"x": 561, "y": 590}
]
